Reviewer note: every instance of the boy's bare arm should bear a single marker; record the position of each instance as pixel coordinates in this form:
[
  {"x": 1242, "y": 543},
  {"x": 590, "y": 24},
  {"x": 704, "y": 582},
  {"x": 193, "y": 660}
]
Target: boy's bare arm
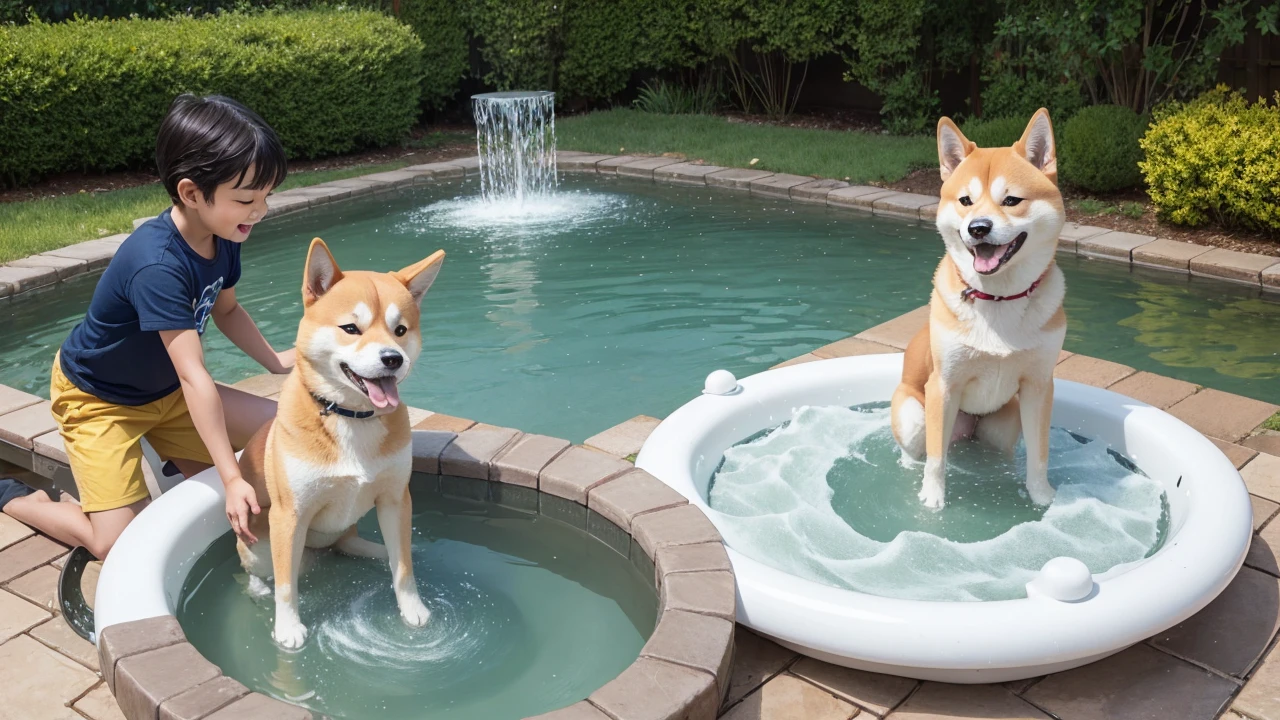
[
  {"x": 234, "y": 322},
  {"x": 206, "y": 413}
]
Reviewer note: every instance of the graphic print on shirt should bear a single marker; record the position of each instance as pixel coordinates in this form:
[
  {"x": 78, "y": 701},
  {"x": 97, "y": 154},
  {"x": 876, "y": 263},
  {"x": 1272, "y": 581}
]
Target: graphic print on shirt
[{"x": 204, "y": 306}]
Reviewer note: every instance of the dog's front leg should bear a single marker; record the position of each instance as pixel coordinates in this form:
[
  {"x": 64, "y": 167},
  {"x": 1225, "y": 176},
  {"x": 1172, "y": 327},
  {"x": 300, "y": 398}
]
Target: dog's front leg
[
  {"x": 395, "y": 518},
  {"x": 941, "y": 404},
  {"x": 1036, "y": 400},
  {"x": 288, "y": 539}
]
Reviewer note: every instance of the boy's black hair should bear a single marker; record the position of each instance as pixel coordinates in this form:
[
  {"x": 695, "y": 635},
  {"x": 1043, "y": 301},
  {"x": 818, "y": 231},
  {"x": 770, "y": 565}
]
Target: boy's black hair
[{"x": 214, "y": 139}]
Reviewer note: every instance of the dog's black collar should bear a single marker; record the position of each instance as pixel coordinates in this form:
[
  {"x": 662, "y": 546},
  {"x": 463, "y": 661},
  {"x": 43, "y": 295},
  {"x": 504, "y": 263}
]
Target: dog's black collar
[{"x": 329, "y": 407}]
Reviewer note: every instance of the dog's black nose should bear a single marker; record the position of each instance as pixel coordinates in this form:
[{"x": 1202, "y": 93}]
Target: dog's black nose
[
  {"x": 392, "y": 360},
  {"x": 980, "y": 228}
]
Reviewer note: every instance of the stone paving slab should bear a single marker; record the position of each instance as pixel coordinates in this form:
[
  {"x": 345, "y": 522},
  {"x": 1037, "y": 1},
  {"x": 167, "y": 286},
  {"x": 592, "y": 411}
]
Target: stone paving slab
[
  {"x": 1271, "y": 278},
  {"x": 686, "y": 173},
  {"x": 941, "y": 701},
  {"x": 624, "y": 439},
  {"x": 1170, "y": 254},
  {"x": 631, "y": 495},
  {"x": 99, "y": 704},
  {"x": 1263, "y": 550},
  {"x": 17, "y": 615},
  {"x": 256, "y": 706},
  {"x": 64, "y": 267},
  {"x": 363, "y": 185},
  {"x": 787, "y": 697},
  {"x": 816, "y": 191},
  {"x": 95, "y": 253},
  {"x": 124, "y": 640},
  {"x": 471, "y": 451},
  {"x": 428, "y": 172},
  {"x": 778, "y": 185},
  {"x": 12, "y": 531},
  {"x": 39, "y": 684},
  {"x": 57, "y": 634},
  {"x": 20, "y": 427},
  {"x": 1218, "y": 414},
  {"x": 580, "y": 162},
  {"x": 645, "y": 167},
  {"x": 902, "y": 205},
  {"x": 706, "y": 593},
  {"x": 393, "y": 178},
  {"x": 1237, "y": 454},
  {"x": 1261, "y": 475},
  {"x": 265, "y": 385},
  {"x": 1157, "y": 390},
  {"x": 202, "y": 700},
  {"x": 696, "y": 641},
  {"x": 40, "y": 587},
  {"x": 692, "y": 558},
  {"x": 146, "y": 680},
  {"x": 427, "y": 446},
  {"x": 525, "y": 458},
  {"x": 1267, "y": 441},
  {"x": 756, "y": 660},
  {"x": 1140, "y": 682},
  {"x": 899, "y": 331},
  {"x": 1072, "y": 233},
  {"x": 1231, "y": 634},
  {"x": 1260, "y": 699},
  {"x": 11, "y": 399},
  {"x": 852, "y": 346},
  {"x": 1229, "y": 265},
  {"x": 1263, "y": 510},
  {"x": 684, "y": 525},
  {"x": 874, "y": 692},
  {"x": 27, "y": 555},
  {"x": 609, "y": 166},
  {"x": 656, "y": 690},
  {"x": 22, "y": 279},
  {"x": 1113, "y": 244},
  {"x": 736, "y": 178},
  {"x": 577, "y": 470},
  {"x": 1092, "y": 371},
  {"x": 847, "y": 196}
]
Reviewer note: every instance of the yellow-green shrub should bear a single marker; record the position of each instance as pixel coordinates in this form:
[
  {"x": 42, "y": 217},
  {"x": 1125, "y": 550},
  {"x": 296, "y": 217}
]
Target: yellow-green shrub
[
  {"x": 1214, "y": 158},
  {"x": 89, "y": 95}
]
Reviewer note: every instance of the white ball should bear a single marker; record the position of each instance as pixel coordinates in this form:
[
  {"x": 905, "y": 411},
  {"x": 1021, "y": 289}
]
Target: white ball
[
  {"x": 1063, "y": 578},
  {"x": 720, "y": 382}
]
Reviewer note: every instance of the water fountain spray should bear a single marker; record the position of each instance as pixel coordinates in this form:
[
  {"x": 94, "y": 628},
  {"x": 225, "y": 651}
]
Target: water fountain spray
[{"x": 516, "y": 139}]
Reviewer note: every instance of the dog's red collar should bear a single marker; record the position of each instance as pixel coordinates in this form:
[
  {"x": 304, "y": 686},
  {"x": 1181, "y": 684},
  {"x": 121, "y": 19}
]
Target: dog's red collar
[{"x": 969, "y": 294}]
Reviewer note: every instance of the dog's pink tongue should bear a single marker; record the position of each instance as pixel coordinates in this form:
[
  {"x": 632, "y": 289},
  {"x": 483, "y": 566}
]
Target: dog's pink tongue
[
  {"x": 986, "y": 264},
  {"x": 384, "y": 392}
]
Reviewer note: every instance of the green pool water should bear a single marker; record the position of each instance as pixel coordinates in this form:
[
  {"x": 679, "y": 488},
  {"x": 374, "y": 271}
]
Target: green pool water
[
  {"x": 528, "y": 614},
  {"x": 620, "y": 299}
]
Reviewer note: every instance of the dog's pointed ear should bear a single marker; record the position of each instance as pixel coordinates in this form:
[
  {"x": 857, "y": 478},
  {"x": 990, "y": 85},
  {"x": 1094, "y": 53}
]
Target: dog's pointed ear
[
  {"x": 419, "y": 276},
  {"x": 321, "y": 274},
  {"x": 1037, "y": 145},
  {"x": 953, "y": 147}
]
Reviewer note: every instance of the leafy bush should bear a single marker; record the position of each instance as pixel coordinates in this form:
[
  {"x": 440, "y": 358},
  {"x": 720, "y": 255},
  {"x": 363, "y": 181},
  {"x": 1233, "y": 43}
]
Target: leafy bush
[
  {"x": 442, "y": 27},
  {"x": 669, "y": 98},
  {"x": 1098, "y": 148},
  {"x": 90, "y": 95},
  {"x": 1214, "y": 158},
  {"x": 996, "y": 131}
]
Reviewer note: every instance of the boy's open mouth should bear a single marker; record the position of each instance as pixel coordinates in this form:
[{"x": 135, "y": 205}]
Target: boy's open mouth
[
  {"x": 382, "y": 391},
  {"x": 244, "y": 229},
  {"x": 988, "y": 258}
]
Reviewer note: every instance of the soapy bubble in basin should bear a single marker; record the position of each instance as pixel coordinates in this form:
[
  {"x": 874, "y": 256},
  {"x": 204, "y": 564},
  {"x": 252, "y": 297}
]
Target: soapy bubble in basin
[{"x": 829, "y": 497}]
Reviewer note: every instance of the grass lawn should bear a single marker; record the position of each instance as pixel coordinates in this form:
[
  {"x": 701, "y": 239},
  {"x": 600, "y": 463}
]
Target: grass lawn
[
  {"x": 854, "y": 156},
  {"x": 35, "y": 226}
]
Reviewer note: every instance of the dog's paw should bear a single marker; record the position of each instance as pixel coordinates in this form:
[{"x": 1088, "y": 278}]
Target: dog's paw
[
  {"x": 1041, "y": 493},
  {"x": 932, "y": 497},
  {"x": 414, "y": 612},
  {"x": 258, "y": 588},
  {"x": 289, "y": 635}
]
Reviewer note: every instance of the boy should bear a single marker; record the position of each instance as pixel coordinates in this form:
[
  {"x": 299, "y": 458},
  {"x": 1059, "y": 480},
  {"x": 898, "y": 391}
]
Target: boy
[{"x": 134, "y": 366}]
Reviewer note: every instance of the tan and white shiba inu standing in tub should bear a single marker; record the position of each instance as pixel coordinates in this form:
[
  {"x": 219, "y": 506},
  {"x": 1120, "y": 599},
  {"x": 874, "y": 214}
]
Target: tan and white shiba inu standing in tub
[
  {"x": 340, "y": 443},
  {"x": 983, "y": 365}
]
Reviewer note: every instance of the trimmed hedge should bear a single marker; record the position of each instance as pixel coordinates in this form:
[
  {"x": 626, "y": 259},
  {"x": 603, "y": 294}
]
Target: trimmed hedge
[
  {"x": 1214, "y": 158},
  {"x": 1099, "y": 148},
  {"x": 89, "y": 95},
  {"x": 995, "y": 132}
]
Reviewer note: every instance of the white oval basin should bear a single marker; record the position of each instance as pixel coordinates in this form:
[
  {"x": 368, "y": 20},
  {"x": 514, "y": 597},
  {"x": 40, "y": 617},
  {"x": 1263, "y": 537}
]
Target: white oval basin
[{"x": 1064, "y": 623}]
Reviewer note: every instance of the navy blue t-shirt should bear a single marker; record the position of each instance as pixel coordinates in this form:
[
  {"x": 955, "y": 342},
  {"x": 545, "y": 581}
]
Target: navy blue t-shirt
[{"x": 155, "y": 282}]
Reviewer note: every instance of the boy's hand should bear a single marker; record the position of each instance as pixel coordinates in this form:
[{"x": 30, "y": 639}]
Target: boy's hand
[
  {"x": 285, "y": 361},
  {"x": 241, "y": 500}
]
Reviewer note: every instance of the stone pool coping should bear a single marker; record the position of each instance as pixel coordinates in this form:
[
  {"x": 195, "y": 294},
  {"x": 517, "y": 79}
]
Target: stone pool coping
[
  {"x": 1145, "y": 251},
  {"x": 681, "y": 672}
]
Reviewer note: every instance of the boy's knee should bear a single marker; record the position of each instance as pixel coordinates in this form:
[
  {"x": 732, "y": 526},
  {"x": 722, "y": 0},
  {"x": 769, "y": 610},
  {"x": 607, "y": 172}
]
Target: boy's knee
[{"x": 100, "y": 548}]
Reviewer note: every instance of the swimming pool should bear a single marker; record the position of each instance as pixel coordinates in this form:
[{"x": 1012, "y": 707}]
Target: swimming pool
[{"x": 622, "y": 297}]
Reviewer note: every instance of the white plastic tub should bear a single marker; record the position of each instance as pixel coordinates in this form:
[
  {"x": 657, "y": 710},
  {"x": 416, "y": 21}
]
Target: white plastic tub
[{"x": 971, "y": 642}]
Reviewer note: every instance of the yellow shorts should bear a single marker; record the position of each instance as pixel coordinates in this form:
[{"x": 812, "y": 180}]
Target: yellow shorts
[{"x": 102, "y": 441}]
